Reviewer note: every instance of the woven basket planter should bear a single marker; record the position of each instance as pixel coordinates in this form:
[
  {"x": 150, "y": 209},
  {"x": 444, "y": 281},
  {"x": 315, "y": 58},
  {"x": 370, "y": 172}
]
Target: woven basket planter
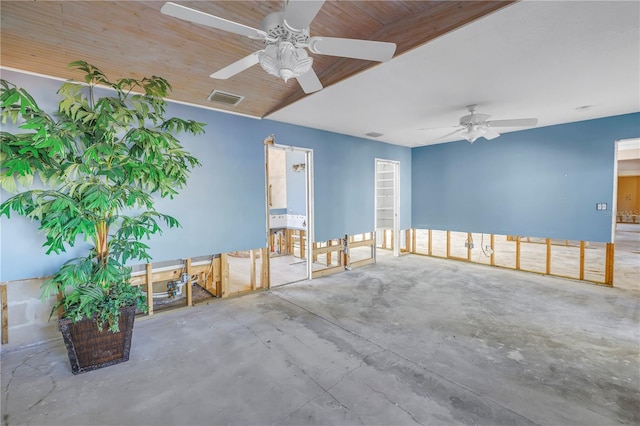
[{"x": 90, "y": 349}]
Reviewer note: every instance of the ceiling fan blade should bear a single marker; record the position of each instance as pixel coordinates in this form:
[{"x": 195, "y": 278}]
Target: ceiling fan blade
[
  {"x": 236, "y": 67},
  {"x": 309, "y": 82},
  {"x": 516, "y": 122},
  {"x": 490, "y": 134},
  {"x": 455, "y": 132},
  {"x": 198, "y": 17},
  {"x": 298, "y": 14},
  {"x": 352, "y": 48},
  {"x": 439, "y": 128}
]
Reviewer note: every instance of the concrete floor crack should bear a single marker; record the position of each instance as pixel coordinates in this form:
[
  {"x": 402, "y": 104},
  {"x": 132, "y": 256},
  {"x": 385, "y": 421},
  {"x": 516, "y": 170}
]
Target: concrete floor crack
[
  {"x": 345, "y": 407},
  {"x": 326, "y": 390},
  {"x": 395, "y": 403},
  {"x": 362, "y": 362},
  {"x": 313, "y": 399},
  {"x": 5, "y": 397},
  {"x": 53, "y": 388},
  {"x": 298, "y": 409}
]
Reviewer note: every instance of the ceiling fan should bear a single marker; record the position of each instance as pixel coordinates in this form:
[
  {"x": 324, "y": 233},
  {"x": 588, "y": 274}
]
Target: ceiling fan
[
  {"x": 474, "y": 125},
  {"x": 286, "y": 35}
]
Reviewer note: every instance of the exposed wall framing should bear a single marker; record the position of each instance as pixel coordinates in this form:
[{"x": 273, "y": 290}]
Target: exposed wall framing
[
  {"x": 211, "y": 273},
  {"x": 343, "y": 253},
  {"x": 386, "y": 240},
  {"x": 592, "y": 262},
  {"x": 208, "y": 273},
  {"x": 288, "y": 241}
]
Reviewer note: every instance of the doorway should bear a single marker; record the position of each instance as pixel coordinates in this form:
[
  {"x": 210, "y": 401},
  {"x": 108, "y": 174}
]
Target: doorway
[
  {"x": 387, "y": 205},
  {"x": 626, "y": 215},
  {"x": 289, "y": 189}
]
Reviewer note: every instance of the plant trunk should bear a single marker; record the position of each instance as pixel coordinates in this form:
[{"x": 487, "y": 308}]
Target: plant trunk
[
  {"x": 102, "y": 232},
  {"x": 102, "y": 248}
]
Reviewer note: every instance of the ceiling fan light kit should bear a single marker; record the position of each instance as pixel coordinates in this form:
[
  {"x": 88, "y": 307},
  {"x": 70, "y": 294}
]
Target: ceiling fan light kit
[
  {"x": 284, "y": 60},
  {"x": 473, "y": 133},
  {"x": 286, "y": 36}
]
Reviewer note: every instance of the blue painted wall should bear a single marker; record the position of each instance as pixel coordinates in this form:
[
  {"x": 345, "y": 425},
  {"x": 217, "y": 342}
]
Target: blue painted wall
[
  {"x": 223, "y": 207},
  {"x": 296, "y": 191},
  {"x": 542, "y": 182}
]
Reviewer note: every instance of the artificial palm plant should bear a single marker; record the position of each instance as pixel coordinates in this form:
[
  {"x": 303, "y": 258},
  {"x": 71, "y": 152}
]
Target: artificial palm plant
[{"x": 89, "y": 172}]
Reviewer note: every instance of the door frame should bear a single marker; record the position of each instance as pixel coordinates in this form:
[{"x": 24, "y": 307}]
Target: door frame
[
  {"x": 309, "y": 202},
  {"x": 396, "y": 201},
  {"x": 614, "y": 198}
]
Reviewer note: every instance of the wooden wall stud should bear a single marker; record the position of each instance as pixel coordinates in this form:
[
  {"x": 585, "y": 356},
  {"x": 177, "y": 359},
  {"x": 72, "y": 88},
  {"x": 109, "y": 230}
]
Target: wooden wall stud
[
  {"x": 149, "y": 267},
  {"x": 548, "y": 265},
  {"x": 252, "y": 260},
  {"x": 413, "y": 240},
  {"x": 493, "y": 250},
  {"x": 187, "y": 267},
  {"x": 582, "y": 245},
  {"x": 5, "y": 314},
  {"x": 608, "y": 268}
]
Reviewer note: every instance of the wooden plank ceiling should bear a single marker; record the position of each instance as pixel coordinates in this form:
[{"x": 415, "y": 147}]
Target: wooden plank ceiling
[{"x": 133, "y": 39}]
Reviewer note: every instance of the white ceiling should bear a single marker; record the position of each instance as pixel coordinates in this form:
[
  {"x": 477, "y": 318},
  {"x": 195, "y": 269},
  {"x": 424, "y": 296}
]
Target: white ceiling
[{"x": 543, "y": 59}]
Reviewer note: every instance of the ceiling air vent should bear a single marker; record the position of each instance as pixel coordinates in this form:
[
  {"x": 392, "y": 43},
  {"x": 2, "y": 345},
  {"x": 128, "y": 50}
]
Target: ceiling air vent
[
  {"x": 374, "y": 134},
  {"x": 225, "y": 98}
]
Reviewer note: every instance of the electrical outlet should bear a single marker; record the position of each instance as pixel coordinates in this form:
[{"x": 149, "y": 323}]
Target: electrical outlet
[
  {"x": 466, "y": 244},
  {"x": 489, "y": 249}
]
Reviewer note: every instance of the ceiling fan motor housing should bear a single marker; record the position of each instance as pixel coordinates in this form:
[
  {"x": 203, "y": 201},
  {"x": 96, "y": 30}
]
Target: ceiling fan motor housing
[
  {"x": 473, "y": 118},
  {"x": 278, "y": 30}
]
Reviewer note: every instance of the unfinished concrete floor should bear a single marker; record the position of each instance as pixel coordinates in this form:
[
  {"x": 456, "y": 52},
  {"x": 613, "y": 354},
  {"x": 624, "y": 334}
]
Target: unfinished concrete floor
[{"x": 411, "y": 340}]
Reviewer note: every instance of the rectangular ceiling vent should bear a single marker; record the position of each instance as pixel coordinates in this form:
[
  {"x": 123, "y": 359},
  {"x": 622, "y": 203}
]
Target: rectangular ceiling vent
[
  {"x": 374, "y": 134},
  {"x": 225, "y": 98}
]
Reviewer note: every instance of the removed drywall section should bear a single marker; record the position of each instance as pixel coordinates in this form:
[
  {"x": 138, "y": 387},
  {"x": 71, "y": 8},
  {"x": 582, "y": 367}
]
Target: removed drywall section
[{"x": 538, "y": 182}]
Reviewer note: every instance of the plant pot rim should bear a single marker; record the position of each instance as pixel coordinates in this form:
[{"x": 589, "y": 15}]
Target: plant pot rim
[{"x": 65, "y": 320}]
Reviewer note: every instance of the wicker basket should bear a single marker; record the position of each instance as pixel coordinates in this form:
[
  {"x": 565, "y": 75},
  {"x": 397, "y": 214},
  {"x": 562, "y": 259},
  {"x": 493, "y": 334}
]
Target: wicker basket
[{"x": 90, "y": 349}]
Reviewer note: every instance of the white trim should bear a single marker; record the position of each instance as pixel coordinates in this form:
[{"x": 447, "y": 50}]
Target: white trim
[
  {"x": 310, "y": 212},
  {"x": 628, "y": 144},
  {"x": 175, "y": 101},
  {"x": 266, "y": 203},
  {"x": 614, "y": 199}
]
